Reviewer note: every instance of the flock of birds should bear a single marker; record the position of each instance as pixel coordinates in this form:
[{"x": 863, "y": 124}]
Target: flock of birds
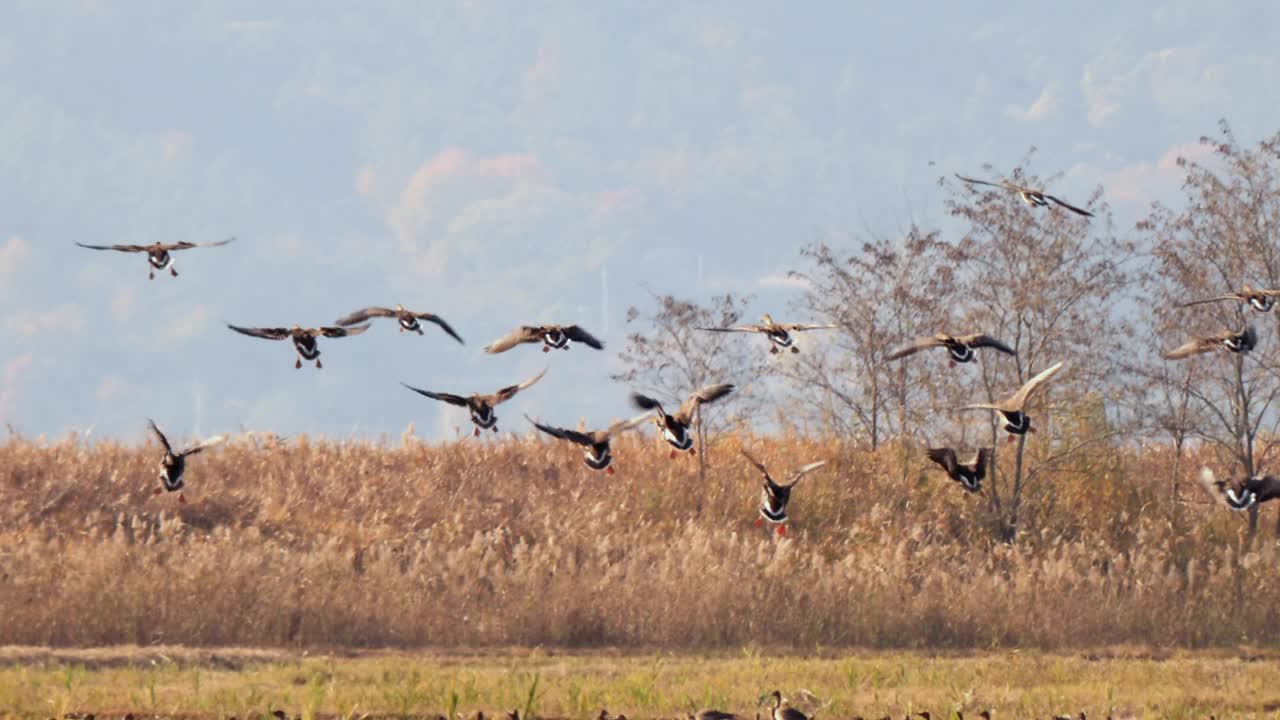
[{"x": 677, "y": 427}]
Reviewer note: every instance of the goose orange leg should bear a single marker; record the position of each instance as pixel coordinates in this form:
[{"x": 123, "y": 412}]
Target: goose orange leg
[
  {"x": 318, "y": 365},
  {"x": 782, "y": 531},
  {"x": 610, "y": 471},
  {"x": 173, "y": 271},
  {"x": 298, "y": 365}
]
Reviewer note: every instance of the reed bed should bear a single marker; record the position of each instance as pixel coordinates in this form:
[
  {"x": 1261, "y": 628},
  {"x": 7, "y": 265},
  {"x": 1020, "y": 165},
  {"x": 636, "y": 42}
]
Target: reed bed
[{"x": 320, "y": 543}]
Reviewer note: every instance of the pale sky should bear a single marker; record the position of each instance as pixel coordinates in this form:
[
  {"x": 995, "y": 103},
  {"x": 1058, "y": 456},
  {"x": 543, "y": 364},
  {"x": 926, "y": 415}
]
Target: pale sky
[{"x": 503, "y": 163}]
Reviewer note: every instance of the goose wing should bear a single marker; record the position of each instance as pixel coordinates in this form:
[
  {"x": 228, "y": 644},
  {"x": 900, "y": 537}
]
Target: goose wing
[
  {"x": 1064, "y": 204},
  {"x": 804, "y": 470},
  {"x": 644, "y": 402},
  {"x": 433, "y": 318},
  {"x": 264, "y": 333},
  {"x": 184, "y": 245},
  {"x": 522, "y": 334},
  {"x": 337, "y": 332},
  {"x": 751, "y": 459},
  {"x": 1197, "y": 346},
  {"x": 1019, "y": 398},
  {"x": 360, "y": 316},
  {"x": 701, "y": 396},
  {"x": 577, "y": 334},
  {"x": 572, "y": 436},
  {"x": 975, "y": 181},
  {"x": 1215, "y": 487},
  {"x": 206, "y": 443},
  {"x": 120, "y": 248},
  {"x": 624, "y": 425},
  {"x": 946, "y": 457},
  {"x": 159, "y": 435},
  {"x": 443, "y": 397},
  {"x": 1236, "y": 297},
  {"x": 982, "y": 340},
  {"x": 914, "y": 347},
  {"x": 804, "y": 327},
  {"x": 510, "y": 391},
  {"x": 737, "y": 328},
  {"x": 982, "y": 461}
]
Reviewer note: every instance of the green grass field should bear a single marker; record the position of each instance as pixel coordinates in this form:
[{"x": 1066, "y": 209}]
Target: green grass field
[{"x": 219, "y": 684}]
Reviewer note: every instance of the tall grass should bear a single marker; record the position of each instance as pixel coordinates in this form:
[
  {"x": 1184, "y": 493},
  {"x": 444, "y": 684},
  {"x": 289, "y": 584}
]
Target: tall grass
[{"x": 516, "y": 542}]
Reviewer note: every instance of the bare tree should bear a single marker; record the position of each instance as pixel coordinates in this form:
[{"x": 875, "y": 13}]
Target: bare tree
[
  {"x": 668, "y": 356},
  {"x": 1223, "y": 238},
  {"x": 1047, "y": 282},
  {"x": 884, "y": 293}
]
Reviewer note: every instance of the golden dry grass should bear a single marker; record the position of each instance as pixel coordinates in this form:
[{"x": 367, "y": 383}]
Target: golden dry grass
[
  {"x": 515, "y": 542},
  {"x": 221, "y": 683}
]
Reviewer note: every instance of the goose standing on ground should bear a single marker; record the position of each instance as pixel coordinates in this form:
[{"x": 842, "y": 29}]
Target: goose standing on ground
[
  {"x": 481, "y": 406},
  {"x": 1236, "y": 342},
  {"x": 1012, "y": 409},
  {"x": 713, "y": 715},
  {"x": 960, "y": 347},
  {"x": 304, "y": 339},
  {"x": 969, "y": 474},
  {"x": 408, "y": 319},
  {"x": 174, "y": 464},
  {"x": 675, "y": 427},
  {"x": 775, "y": 496},
  {"x": 1240, "y": 494},
  {"x": 779, "y": 334},
  {"x": 552, "y": 337},
  {"x": 595, "y": 442},
  {"x": 784, "y": 713},
  {"x": 159, "y": 255},
  {"x": 1033, "y": 198},
  {"x": 1260, "y": 300}
]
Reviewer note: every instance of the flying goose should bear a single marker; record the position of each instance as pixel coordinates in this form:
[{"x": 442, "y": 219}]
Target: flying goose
[
  {"x": 595, "y": 442},
  {"x": 174, "y": 464},
  {"x": 960, "y": 347},
  {"x": 675, "y": 427},
  {"x": 1260, "y": 300},
  {"x": 779, "y": 334},
  {"x": 552, "y": 337},
  {"x": 1033, "y": 198},
  {"x": 158, "y": 254},
  {"x": 1236, "y": 342},
  {"x": 304, "y": 339},
  {"x": 1243, "y": 493},
  {"x": 1012, "y": 408},
  {"x": 775, "y": 496},
  {"x": 481, "y": 406},
  {"x": 408, "y": 319},
  {"x": 784, "y": 713},
  {"x": 970, "y": 473}
]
